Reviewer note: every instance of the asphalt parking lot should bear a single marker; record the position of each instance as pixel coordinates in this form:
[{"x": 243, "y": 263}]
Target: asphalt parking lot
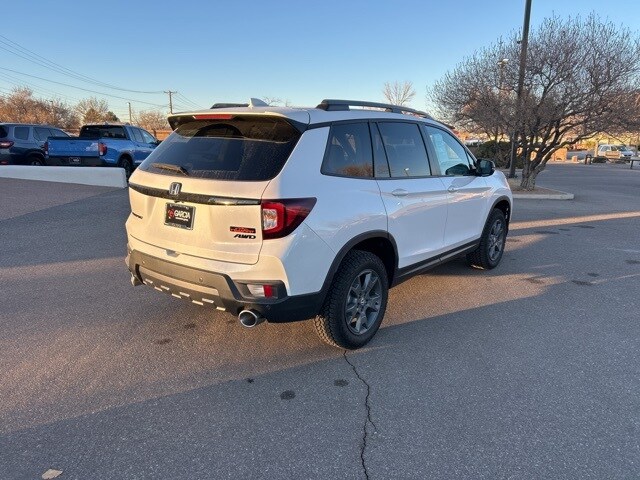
[{"x": 531, "y": 370}]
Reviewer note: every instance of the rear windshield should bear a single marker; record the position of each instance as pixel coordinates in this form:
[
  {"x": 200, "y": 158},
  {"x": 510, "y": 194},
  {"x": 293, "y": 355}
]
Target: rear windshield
[
  {"x": 246, "y": 148},
  {"x": 3, "y": 132},
  {"x": 99, "y": 131}
]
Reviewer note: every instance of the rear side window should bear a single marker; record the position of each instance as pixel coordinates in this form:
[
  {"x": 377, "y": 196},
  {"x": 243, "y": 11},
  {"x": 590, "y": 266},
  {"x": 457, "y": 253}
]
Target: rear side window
[
  {"x": 244, "y": 148},
  {"x": 3, "y": 132},
  {"x": 21, "y": 133},
  {"x": 348, "y": 152},
  {"x": 405, "y": 149}
]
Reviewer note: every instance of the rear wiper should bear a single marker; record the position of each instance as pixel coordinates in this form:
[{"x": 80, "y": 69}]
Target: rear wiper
[{"x": 173, "y": 168}]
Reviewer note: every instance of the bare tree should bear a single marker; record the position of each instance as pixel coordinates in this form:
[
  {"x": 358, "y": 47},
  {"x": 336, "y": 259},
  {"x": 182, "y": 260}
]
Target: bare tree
[
  {"x": 398, "y": 93},
  {"x": 276, "y": 101},
  {"x": 152, "y": 120},
  {"x": 63, "y": 115},
  {"x": 581, "y": 79},
  {"x": 21, "y": 106},
  {"x": 93, "y": 110}
]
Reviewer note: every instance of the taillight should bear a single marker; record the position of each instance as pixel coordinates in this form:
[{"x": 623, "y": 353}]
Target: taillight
[
  {"x": 102, "y": 148},
  {"x": 6, "y": 144},
  {"x": 213, "y": 116},
  {"x": 46, "y": 148},
  {"x": 281, "y": 217}
]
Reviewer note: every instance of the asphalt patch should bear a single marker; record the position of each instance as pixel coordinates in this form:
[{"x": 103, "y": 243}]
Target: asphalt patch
[
  {"x": 288, "y": 395},
  {"x": 162, "y": 341},
  {"x": 189, "y": 326},
  {"x": 633, "y": 262},
  {"x": 341, "y": 383}
]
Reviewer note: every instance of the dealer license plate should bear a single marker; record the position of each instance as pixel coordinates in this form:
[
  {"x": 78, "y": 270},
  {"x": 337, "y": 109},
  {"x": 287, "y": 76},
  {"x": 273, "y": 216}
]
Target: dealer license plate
[{"x": 180, "y": 216}]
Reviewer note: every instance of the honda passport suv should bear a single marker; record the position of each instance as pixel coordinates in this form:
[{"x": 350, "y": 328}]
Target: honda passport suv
[{"x": 286, "y": 214}]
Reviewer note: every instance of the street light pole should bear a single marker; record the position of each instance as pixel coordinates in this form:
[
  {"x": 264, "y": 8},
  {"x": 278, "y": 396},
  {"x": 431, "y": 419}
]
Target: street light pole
[
  {"x": 130, "y": 121},
  {"x": 524, "y": 42},
  {"x": 53, "y": 113}
]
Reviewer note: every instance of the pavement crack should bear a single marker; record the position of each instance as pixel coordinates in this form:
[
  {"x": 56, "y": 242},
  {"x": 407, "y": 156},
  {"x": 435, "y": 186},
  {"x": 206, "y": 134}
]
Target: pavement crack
[{"x": 368, "y": 420}]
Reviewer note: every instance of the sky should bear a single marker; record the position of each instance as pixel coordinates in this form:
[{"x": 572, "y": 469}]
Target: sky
[{"x": 228, "y": 51}]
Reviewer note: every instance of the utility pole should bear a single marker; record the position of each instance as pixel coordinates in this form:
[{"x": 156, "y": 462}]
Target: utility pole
[
  {"x": 170, "y": 99},
  {"x": 524, "y": 42},
  {"x": 130, "y": 116}
]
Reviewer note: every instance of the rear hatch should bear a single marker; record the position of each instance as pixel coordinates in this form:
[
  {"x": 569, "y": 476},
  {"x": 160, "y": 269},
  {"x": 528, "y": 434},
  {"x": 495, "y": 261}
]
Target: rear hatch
[{"x": 199, "y": 192}]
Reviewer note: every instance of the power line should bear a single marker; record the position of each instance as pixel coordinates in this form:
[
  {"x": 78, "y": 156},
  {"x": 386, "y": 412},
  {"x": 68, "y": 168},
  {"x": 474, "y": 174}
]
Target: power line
[
  {"x": 83, "y": 89},
  {"x": 25, "y": 53},
  {"x": 16, "y": 82},
  {"x": 186, "y": 101}
]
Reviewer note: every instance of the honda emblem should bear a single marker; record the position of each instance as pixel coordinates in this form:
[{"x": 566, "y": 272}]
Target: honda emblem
[{"x": 174, "y": 188}]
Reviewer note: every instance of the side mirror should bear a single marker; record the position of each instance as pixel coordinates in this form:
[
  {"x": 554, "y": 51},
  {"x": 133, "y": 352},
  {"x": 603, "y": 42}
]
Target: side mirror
[{"x": 485, "y": 167}]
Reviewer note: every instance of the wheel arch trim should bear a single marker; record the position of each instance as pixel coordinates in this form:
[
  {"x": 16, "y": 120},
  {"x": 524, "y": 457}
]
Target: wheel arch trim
[{"x": 347, "y": 247}]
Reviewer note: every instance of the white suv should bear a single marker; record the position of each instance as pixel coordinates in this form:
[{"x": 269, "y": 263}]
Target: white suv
[{"x": 286, "y": 214}]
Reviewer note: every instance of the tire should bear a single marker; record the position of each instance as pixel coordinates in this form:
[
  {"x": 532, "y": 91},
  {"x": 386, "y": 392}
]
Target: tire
[
  {"x": 494, "y": 237},
  {"x": 359, "y": 290},
  {"x": 35, "y": 160},
  {"x": 125, "y": 164}
]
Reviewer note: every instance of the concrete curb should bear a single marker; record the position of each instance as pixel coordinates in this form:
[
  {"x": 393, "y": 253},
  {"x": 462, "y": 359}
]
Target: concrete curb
[
  {"x": 98, "y": 176},
  {"x": 544, "y": 196}
]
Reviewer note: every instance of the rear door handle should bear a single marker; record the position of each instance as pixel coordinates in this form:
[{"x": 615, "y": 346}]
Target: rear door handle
[
  {"x": 452, "y": 189},
  {"x": 399, "y": 192}
]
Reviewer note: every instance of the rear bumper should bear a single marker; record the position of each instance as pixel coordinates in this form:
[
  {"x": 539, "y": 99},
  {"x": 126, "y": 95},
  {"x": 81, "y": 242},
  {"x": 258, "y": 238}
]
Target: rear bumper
[
  {"x": 219, "y": 290},
  {"x": 84, "y": 162},
  {"x": 8, "y": 158}
]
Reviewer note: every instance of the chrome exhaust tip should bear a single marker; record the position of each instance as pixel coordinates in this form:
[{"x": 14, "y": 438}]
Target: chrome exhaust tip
[{"x": 249, "y": 318}]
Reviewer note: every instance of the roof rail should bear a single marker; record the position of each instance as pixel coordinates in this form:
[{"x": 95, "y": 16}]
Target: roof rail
[{"x": 332, "y": 104}]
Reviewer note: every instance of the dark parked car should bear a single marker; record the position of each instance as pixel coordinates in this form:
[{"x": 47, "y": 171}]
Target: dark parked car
[{"x": 22, "y": 144}]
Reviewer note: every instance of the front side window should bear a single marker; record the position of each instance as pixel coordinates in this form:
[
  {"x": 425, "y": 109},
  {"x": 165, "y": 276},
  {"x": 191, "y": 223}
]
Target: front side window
[
  {"x": 41, "y": 133},
  {"x": 405, "y": 149},
  {"x": 450, "y": 154},
  {"x": 57, "y": 133},
  {"x": 146, "y": 137},
  {"x": 348, "y": 151},
  {"x": 241, "y": 148},
  {"x": 21, "y": 133},
  {"x": 137, "y": 136},
  {"x": 379, "y": 156}
]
